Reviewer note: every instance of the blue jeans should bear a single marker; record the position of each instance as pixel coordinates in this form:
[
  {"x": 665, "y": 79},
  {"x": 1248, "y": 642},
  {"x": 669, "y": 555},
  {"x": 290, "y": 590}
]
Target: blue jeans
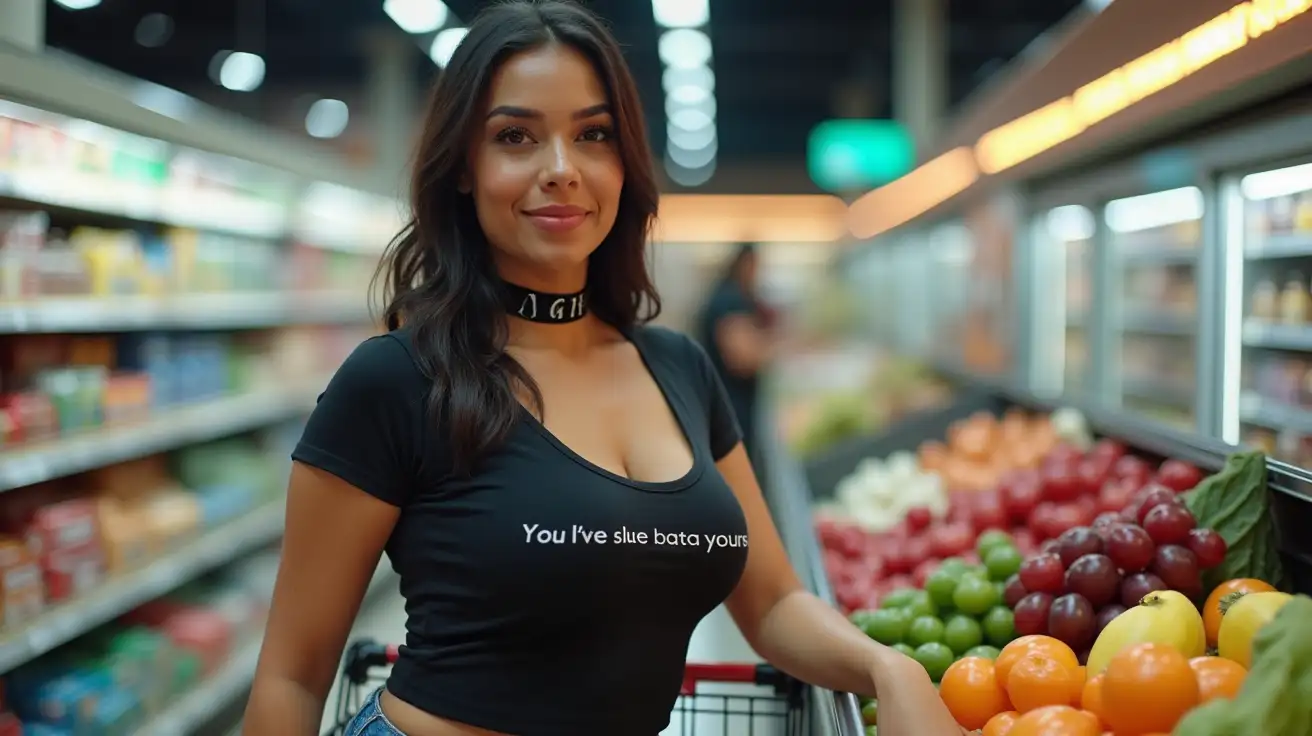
[{"x": 370, "y": 721}]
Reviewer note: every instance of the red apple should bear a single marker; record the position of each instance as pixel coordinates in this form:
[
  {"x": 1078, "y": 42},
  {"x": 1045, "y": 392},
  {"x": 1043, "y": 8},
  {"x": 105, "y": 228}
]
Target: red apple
[
  {"x": 1060, "y": 483},
  {"x": 1132, "y": 468},
  {"x": 989, "y": 513},
  {"x": 950, "y": 539},
  {"x": 1109, "y": 449}
]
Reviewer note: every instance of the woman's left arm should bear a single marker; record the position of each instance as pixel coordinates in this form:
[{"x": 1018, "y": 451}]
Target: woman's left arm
[{"x": 807, "y": 638}]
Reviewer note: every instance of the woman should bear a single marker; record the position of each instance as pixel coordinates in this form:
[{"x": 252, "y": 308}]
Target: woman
[
  {"x": 519, "y": 437},
  {"x": 734, "y": 328}
]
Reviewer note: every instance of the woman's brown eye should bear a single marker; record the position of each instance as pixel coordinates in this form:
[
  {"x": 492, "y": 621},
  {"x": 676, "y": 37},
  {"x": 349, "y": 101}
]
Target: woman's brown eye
[{"x": 513, "y": 136}]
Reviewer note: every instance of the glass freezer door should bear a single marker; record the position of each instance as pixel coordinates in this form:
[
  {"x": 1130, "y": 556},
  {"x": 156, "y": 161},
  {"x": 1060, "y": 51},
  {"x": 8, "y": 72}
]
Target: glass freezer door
[
  {"x": 1070, "y": 229},
  {"x": 1275, "y": 366},
  {"x": 1155, "y": 241}
]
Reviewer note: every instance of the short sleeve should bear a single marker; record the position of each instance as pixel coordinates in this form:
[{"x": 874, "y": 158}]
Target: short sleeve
[
  {"x": 365, "y": 427},
  {"x": 725, "y": 431}
]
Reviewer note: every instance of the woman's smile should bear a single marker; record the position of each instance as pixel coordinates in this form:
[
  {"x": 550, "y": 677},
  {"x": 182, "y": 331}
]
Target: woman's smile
[{"x": 557, "y": 218}]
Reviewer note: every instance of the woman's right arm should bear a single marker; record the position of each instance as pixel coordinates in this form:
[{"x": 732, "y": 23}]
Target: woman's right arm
[{"x": 335, "y": 536}]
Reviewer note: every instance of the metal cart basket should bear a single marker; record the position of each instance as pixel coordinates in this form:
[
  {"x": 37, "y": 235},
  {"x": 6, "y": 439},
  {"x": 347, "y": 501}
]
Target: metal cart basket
[{"x": 715, "y": 699}]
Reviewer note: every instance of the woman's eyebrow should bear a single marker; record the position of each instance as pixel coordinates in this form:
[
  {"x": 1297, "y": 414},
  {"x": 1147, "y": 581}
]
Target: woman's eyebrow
[{"x": 512, "y": 111}]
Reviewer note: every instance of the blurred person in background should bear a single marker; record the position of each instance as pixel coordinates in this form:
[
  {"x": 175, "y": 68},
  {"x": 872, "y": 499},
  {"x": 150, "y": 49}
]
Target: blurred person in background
[
  {"x": 735, "y": 326},
  {"x": 521, "y": 397}
]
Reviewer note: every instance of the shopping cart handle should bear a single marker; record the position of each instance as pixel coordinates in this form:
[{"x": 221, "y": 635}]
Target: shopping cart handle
[
  {"x": 757, "y": 674},
  {"x": 366, "y": 654}
]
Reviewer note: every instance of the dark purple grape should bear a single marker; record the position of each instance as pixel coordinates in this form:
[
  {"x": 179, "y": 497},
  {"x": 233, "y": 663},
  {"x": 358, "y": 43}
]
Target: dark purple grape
[
  {"x": 1031, "y": 614},
  {"x": 1135, "y": 587},
  {"x": 1208, "y": 547},
  {"x": 1095, "y": 577},
  {"x": 1178, "y": 568},
  {"x": 1071, "y": 620},
  {"x": 1130, "y": 548},
  {"x": 1107, "y": 613},
  {"x": 1077, "y": 542},
  {"x": 1014, "y": 591}
]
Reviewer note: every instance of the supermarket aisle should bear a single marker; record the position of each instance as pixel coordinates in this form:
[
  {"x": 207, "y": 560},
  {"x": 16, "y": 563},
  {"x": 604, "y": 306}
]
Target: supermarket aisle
[{"x": 715, "y": 640}]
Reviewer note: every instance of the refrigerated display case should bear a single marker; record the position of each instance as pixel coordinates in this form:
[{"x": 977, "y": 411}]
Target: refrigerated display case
[
  {"x": 1155, "y": 242},
  {"x": 1275, "y": 370},
  {"x": 1067, "y": 235},
  {"x": 951, "y": 253}
]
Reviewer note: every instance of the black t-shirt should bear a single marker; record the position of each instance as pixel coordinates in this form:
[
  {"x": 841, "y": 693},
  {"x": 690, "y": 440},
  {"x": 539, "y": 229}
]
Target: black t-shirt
[
  {"x": 726, "y": 301},
  {"x": 545, "y": 596}
]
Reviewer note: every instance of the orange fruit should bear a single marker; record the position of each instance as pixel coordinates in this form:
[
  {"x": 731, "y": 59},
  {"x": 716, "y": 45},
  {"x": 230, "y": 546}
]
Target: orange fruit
[
  {"x": 1001, "y": 724},
  {"x": 1033, "y": 643},
  {"x": 1147, "y": 688},
  {"x": 1212, "y": 608},
  {"x": 1037, "y": 680},
  {"x": 1091, "y": 697},
  {"x": 972, "y": 693},
  {"x": 1217, "y": 677},
  {"x": 1055, "y": 720}
]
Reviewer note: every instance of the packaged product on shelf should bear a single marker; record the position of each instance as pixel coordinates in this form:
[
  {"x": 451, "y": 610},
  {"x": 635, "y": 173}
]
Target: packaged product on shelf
[
  {"x": 113, "y": 260},
  {"x": 22, "y": 238},
  {"x": 22, "y": 591},
  {"x": 64, "y": 535},
  {"x": 1295, "y": 300},
  {"x": 151, "y": 354}
]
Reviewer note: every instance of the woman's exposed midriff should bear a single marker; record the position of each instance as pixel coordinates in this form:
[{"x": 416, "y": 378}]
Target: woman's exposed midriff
[{"x": 412, "y": 721}]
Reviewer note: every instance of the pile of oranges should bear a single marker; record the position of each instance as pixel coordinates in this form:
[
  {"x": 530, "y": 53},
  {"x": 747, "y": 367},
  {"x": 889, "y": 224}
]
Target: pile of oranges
[{"x": 1036, "y": 687}]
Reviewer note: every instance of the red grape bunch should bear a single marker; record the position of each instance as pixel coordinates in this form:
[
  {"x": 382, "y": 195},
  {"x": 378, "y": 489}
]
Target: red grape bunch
[{"x": 1077, "y": 583}]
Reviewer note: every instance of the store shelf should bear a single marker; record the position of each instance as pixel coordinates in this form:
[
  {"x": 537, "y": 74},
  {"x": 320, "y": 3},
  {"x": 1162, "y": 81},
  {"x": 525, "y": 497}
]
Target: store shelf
[
  {"x": 1144, "y": 322},
  {"x": 1160, "y": 255},
  {"x": 200, "y": 706},
  {"x": 194, "y": 311},
  {"x": 1280, "y": 246},
  {"x": 1260, "y": 334},
  {"x": 62, "y": 623},
  {"x": 39, "y": 462},
  {"x": 1254, "y": 409}
]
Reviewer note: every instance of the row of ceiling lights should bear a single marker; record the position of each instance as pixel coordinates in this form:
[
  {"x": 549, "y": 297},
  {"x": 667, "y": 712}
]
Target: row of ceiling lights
[
  {"x": 422, "y": 17},
  {"x": 239, "y": 71},
  {"x": 691, "y": 142}
]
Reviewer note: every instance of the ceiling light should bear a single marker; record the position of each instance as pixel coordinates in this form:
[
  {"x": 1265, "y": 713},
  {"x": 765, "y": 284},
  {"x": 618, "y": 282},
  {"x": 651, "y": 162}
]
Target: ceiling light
[
  {"x": 700, "y": 77},
  {"x": 681, "y": 13},
  {"x": 238, "y": 71},
  {"x": 689, "y": 140},
  {"x": 417, "y": 16},
  {"x": 154, "y": 30},
  {"x": 685, "y": 48},
  {"x": 327, "y": 118},
  {"x": 689, "y": 177},
  {"x": 445, "y": 44},
  {"x": 706, "y": 107},
  {"x": 693, "y": 158},
  {"x": 77, "y": 4},
  {"x": 691, "y": 119}
]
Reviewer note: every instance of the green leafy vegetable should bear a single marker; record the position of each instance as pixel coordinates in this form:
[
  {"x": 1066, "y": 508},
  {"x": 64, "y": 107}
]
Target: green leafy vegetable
[
  {"x": 1235, "y": 503},
  {"x": 1274, "y": 698}
]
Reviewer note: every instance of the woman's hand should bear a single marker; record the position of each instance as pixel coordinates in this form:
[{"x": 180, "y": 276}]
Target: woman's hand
[{"x": 909, "y": 704}]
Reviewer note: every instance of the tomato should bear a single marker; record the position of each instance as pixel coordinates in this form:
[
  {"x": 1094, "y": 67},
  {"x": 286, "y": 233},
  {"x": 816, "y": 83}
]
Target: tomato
[
  {"x": 1115, "y": 495},
  {"x": 1108, "y": 449},
  {"x": 1212, "y": 608},
  {"x": 918, "y": 549},
  {"x": 923, "y": 571},
  {"x": 1020, "y": 498},
  {"x": 1178, "y": 476},
  {"x": 951, "y": 539},
  {"x": 989, "y": 513},
  {"x": 1091, "y": 474},
  {"x": 1061, "y": 484},
  {"x": 919, "y": 518}
]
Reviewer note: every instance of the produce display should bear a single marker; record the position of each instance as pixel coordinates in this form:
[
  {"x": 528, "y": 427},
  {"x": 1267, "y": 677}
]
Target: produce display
[{"x": 1092, "y": 590}]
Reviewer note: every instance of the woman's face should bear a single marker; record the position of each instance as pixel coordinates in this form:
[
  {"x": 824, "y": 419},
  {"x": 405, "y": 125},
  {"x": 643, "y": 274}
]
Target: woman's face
[{"x": 545, "y": 171}]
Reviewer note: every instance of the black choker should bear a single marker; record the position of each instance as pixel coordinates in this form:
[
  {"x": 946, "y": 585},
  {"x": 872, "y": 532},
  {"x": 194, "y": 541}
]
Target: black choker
[{"x": 545, "y": 308}]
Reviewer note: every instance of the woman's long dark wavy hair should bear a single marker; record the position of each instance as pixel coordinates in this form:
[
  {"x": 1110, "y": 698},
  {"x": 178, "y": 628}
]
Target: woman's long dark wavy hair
[{"x": 438, "y": 273}]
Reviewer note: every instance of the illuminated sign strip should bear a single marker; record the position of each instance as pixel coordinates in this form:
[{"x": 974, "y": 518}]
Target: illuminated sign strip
[
  {"x": 1026, "y": 137},
  {"x": 1058, "y": 122}
]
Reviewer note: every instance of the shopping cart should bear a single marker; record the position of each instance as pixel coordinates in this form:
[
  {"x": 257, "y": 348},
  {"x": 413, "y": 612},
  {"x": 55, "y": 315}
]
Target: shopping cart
[{"x": 715, "y": 699}]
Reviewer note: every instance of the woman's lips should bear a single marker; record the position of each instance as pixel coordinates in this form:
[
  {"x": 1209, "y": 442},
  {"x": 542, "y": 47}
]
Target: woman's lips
[{"x": 557, "y": 218}]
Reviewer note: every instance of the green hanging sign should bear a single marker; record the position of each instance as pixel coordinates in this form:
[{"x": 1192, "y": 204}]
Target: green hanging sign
[{"x": 849, "y": 154}]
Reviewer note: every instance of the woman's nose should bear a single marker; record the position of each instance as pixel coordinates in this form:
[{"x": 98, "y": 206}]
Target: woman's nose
[{"x": 559, "y": 169}]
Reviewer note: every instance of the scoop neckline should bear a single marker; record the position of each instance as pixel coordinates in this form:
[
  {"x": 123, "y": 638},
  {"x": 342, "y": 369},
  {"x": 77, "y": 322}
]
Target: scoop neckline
[{"x": 666, "y": 486}]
